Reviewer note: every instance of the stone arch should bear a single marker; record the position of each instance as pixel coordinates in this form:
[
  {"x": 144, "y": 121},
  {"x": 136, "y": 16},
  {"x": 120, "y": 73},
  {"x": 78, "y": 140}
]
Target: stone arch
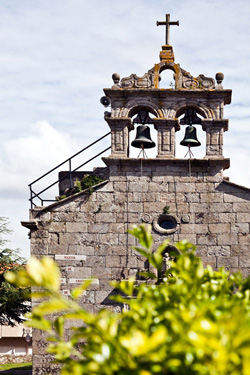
[
  {"x": 152, "y": 108},
  {"x": 201, "y": 109}
]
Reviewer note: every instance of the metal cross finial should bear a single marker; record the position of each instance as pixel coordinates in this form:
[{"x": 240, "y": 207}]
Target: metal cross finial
[{"x": 167, "y": 23}]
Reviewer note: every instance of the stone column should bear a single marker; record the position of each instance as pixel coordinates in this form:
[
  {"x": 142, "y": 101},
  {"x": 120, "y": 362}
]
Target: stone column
[
  {"x": 214, "y": 137},
  {"x": 166, "y": 129},
  {"x": 120, "y": 128}
]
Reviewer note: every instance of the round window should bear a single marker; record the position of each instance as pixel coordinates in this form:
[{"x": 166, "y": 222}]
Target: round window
[{"x": 165, "y": 224}]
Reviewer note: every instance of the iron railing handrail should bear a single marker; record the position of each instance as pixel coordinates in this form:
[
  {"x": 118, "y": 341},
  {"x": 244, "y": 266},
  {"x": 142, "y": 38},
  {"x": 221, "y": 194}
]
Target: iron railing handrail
[
  {"x": 34, "y": 195},
  {"x": 59, "y": 165}
]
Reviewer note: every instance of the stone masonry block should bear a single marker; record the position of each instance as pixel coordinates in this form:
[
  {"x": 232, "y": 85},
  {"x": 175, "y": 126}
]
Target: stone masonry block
[
  {"x": 129, "y": 262},
  {"x": 243, "y": 217},
  {"x": 56, "y": 248},
  {"x": 244, "y": 261},
  {"x": 194, "y": 228},
  {"x": 227, "y": 217},
  {"x": 244, "y": 239},
  {"x": 119, "y": 250},
  {"x": 116, "y": 228},
  {"x": 69, "y": 238},
  {"x": 57, "y": 227},
  {"x": 95, "y": 261},
  {"x": 192, "y": 197},
  {"x": 113, "y": 261},
  {"x": 101, "y": 272},
  {"x": 75, "y": 227},
  {"x": 138, "y": 186},
  {"x": 123, "y": 239},
  {"x": 221, "y": 207},
  {"x": 172, "y": 197},
  {"x": 182, "y": 208},
  {"x": 109, "y": 239},
  {"x": 219, "y": 228},
  {"x": 241, "y": 207},
  {"x": 185, "y": 187},
  {"x": 211, "y": 261},
  {"x": 211, "y": 197},
  {"x": 240, "y": 198},
  {"x": 105, "y": 217},
  {"x": 227, "y": 261},
  {"x": 62, "y": 216},
  {"x": 39, "y": 249},
  {"x": 201, "y": 251},
  {"x": 218, "y": 251},
  {"x": 80, "y": 272},
  {"x": 98, "y": 228},
  {"x": 200, "y": 187},
  {"x": 199, "y": 207},
  {"x": 227, "y": 239},
  {"x": 120, "y": 186},
  {"x": 240, "y": 228},
  {"x": 240, "y": 250},
  {"x": 81, "y": 250},
  {"x": 205, "y": 218},
  {"x": 207, "y": 239},
  {"x": 191, "y": 237}
]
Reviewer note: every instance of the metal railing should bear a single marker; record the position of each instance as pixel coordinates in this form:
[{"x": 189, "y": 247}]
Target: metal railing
[{"x": 34, "y": 195}]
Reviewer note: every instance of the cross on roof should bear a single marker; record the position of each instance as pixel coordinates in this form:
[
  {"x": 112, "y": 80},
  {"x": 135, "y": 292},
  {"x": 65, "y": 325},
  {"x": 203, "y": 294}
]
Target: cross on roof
[{"x": 168, "y": 23}]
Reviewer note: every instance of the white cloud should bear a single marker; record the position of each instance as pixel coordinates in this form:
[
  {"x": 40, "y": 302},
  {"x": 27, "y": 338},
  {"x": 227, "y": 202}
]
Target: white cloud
[{"x": 25, "y": 158}]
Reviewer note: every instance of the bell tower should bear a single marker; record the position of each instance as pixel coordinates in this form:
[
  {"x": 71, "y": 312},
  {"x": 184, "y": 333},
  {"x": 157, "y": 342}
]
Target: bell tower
[{"x": 199, "y": 99}]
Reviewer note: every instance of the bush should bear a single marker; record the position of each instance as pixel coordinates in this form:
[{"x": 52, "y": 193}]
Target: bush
[{"x": 191, "y": 321}]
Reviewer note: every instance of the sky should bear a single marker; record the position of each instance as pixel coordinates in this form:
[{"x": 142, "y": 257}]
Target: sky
[{"x": 57, "y": 56}]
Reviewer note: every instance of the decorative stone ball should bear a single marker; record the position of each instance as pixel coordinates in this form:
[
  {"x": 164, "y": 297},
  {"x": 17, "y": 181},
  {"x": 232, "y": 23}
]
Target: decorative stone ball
[
  {"x": 116, "y": 78},
  {"x": 219, "y": 77}
]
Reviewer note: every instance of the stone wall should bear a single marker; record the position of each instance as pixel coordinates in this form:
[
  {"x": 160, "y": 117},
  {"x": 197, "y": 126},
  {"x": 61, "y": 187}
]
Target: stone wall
[
  {"x": 4, "y": 359},
  {"x": 87, "y": 234}
]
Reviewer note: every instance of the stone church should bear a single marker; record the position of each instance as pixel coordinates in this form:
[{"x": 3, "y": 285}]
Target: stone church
[{"x": 189, "y": 198}]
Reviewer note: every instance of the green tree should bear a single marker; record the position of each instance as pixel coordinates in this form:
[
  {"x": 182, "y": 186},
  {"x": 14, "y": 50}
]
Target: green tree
[
  {"x": 13, "y": 299},
  {"x": 191, "y": 321}
]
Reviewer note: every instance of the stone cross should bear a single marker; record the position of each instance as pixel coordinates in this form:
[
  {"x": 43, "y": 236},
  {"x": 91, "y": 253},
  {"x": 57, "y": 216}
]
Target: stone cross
[{"x": 167, "y": 23}]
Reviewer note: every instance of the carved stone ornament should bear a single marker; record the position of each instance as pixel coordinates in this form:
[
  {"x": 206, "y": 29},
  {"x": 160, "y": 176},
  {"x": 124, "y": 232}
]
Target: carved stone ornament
[
  {"x": 190, "y": 83},
  {"x": 133, "y": 81},
  {"x": 146, "y": 218},
  {"x": 185, "y": 218},
  {"x": 206, "y": 82}
]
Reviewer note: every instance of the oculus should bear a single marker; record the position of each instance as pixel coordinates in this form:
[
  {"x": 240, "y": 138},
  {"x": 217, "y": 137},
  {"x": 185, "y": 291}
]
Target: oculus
[{"x": 165, "y": 224}]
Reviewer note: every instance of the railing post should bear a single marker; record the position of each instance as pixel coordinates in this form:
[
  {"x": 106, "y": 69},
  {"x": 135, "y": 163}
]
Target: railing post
[
  {"x": 70, "y": 175},
  {"x": 31, "y": 197}
]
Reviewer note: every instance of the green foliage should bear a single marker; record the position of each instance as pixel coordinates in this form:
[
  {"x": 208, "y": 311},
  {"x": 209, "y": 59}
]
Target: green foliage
[
  {"x": 195, "y": 321},
  {"x": 166, "y": 210},
  {"x": 6, "y": 369},
  {"x": 13, "y": 300},
  {"x": 89, "y": 181}
]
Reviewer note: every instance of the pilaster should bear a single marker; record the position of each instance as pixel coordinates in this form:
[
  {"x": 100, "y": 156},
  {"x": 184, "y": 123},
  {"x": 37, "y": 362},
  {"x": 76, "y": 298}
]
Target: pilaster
[
  {"x": 214, "y": 136},
  {"x": 120, "y": 128},
  {"x": 166, "y": 129}
]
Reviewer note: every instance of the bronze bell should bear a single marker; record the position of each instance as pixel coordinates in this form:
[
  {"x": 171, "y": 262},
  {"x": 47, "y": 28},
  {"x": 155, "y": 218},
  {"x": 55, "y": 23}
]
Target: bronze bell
[
  {"x": 143, "y": 139},
  {"x": 190, "y": 138}
]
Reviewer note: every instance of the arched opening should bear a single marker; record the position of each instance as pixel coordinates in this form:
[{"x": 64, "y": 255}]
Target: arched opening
[
  {"x": 167, "y": 79},
  {"x": 142, "y": 117},
  {"x": 193, "y": 116},
  {"x": 168, "y": 255}
]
